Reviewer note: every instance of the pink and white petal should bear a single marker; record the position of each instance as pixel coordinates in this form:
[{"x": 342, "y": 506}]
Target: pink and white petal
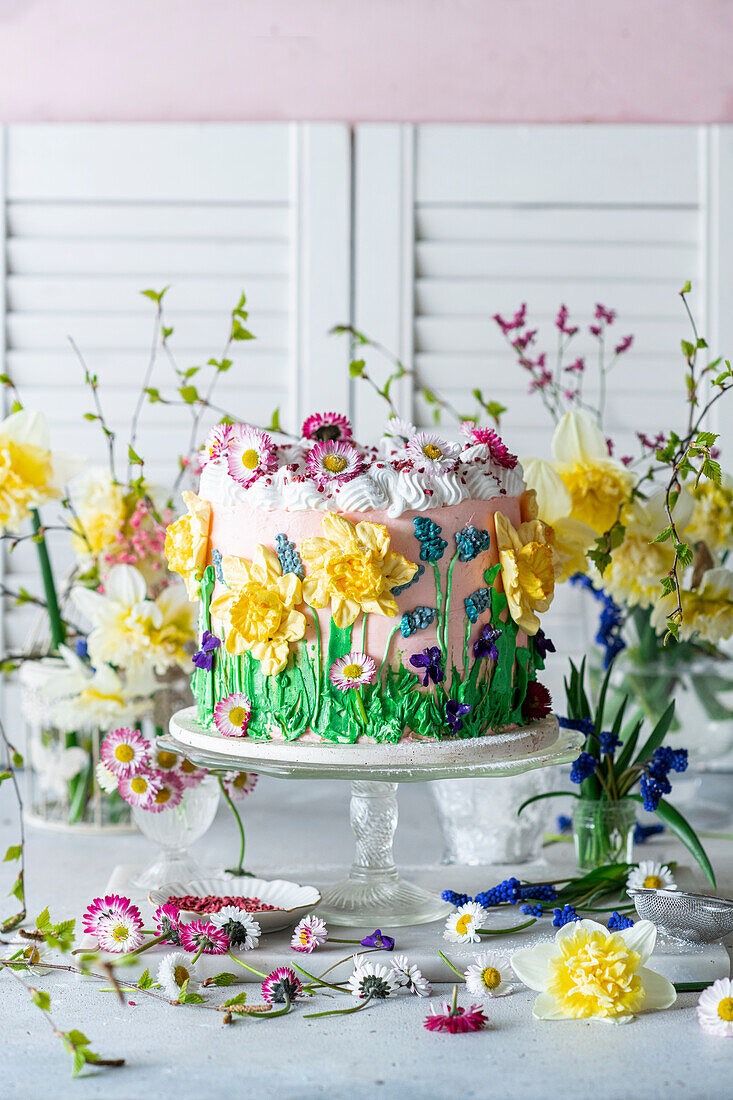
[
  {"x": 531, "y": 965},
  {"x": 659, "y": 992}
]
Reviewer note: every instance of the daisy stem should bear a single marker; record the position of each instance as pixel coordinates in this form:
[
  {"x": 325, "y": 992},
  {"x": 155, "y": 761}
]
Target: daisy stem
[
  {"x": 338, "y": 1011},
  {"x": 271, "y": 1015},
  {"x": 333, "y": 966},
  {"x": 198, "y": 954},
  {"x": 246, "y": 967},
  {"x": 450, "y": 964},
  {"x": 240, "y": 866},
  {"x": 315, "y": 978},
  {"x": 506, "y": 931},
  {"x": 139, "y": 950}
]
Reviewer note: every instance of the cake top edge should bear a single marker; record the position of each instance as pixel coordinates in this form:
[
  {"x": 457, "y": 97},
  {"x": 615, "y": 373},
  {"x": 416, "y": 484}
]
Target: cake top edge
[{"x": 327, "y": 470}]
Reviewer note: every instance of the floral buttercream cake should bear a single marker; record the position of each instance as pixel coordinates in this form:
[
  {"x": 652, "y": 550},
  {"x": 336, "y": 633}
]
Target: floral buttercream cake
[{"x": 350, "y": 592}]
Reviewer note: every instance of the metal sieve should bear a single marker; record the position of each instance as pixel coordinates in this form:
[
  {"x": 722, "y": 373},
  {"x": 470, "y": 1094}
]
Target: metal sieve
[{"x": 693, "y": 918}]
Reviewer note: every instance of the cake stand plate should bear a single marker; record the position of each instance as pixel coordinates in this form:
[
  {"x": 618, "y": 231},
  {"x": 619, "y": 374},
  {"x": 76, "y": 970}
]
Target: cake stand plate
[{"x": 373, "y": 891}]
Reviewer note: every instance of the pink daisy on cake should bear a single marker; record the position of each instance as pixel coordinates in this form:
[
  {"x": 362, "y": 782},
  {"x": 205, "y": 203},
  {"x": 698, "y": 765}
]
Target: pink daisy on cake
[
  {"x": 333, "y": 461},
  {"x": 430, "y": 453},
  {"x": 124, "y": 752},
  {"x": 168, "y": 795},
  {"x": 487, "y": 437},
  {"x": 250, "y": 453},
  {"x": 215, "y": 444},
  {"x": 308, "y": 934},
  {"x": 140, "y": 789},
  {"x": 352, "y": 671},
  {"x": 231, "y": 715},
  {"x": 329, "y": 426},
  {"x": 239, "y": 784}
]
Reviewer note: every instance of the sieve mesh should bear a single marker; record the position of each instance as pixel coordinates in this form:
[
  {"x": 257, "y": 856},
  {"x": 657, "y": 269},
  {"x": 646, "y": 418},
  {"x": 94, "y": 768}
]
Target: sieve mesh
[{"x": 694, "y": 918}]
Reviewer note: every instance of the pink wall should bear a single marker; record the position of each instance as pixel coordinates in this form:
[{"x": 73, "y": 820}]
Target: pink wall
[{"x": 443, "y": 60}]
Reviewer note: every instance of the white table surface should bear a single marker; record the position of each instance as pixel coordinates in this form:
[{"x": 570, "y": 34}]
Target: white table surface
[{"x": 299, "y": 830}]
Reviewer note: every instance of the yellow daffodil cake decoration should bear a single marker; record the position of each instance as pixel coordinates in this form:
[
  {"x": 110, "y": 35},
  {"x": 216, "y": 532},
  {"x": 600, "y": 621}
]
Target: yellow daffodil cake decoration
[
  {"x": 353, "y": 568},
  {"x": 599, "y": 486},
  {"x": 259, "y": 609},
  {"x": 187, "y": 543},
  {"x": 528, "y": 566}
]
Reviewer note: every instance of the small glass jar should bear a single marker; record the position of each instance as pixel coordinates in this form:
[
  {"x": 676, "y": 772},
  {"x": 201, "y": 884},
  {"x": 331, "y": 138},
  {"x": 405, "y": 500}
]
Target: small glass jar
[{"x": 603, "y": 832}]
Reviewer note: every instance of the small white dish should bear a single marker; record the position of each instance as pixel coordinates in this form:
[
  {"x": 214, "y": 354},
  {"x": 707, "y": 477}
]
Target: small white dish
[{"x": 293, "y": 900}]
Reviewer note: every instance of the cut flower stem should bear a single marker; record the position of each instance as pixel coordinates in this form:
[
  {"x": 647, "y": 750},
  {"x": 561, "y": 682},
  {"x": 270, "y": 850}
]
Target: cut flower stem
[{"x": 338, "y": 1011}]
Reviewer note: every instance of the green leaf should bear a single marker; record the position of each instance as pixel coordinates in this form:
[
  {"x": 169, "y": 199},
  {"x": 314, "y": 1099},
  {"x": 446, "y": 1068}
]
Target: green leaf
[
  {"x": 684, "y": 554},
  {"x": 547, "y": 794},
  {"x": 166, "y": 331},
  {"x": 686, "y": 288},
  {"x": 701, "y": 342},
  {"x": 491, "y": 574},
  {"x": 688, "y": 349},
  {"x": 43, "y": 920},
  {"x": 153, "y": 394},
  {"x": 222, "y": 365},
  {"x": 495, "y": 409},
  {"x": 356, "y": 368},
  {"x": 41, "y": 999},
  {"x": 429, "y": 396},
  {"x": 133, "y": 456},
  {"x": 240, "y": 999},
  {"x": 663, "y": 535},
  {"x": 682, "y": 829},
  {"x": 275, "y": 421},
  {"x": 668, "y": 585},
  {"x": 155, "y": 295},
  {"x": 239, "y": 332},
  {"x": 225, "y": 978},
  {"x": 706, "y": 439},
  {"x": 189, "y": 394},
  {"x": 79, "y": 1062},
  {"x": 145, "y": 981},
  {"x": 657, "y": 735},
  {"x": 17, "y": 759},
  {"x": 191, "y": 372},
  {"x": 15, "y": 851},
  {"x": 192, "y": 999},
  {"x": 711, "y": 470},
  {"x": 91, "y": 416},
  {"x": 17, "y": 888}
]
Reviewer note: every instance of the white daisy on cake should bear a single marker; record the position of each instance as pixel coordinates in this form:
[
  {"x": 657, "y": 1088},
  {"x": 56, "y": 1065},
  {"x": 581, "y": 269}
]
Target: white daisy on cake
[
  {"x": 249, "y": 453},
  {"x": 462, "y": 926},
  {"x": 649, "y": 875},
  {"x": 431, "y": 454},
  {"x": 352, "y": 671},
  {"x": 174, "y": 971},
  {"x": 215, "y": 444},
  {"x": 232, "y": 715},
  {"x": 399, "y": 431},
  {"x": 333, "y": 461}
]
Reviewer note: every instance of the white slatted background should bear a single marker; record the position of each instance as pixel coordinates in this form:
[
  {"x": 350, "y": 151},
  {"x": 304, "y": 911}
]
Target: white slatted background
[
  {"x": 490, "y": 216},
  {"x": 95, "y": 214}
]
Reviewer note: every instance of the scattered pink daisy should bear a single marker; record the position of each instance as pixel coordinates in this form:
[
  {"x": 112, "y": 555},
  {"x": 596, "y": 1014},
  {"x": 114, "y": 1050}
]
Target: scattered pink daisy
[
  {"x": 204, "y": 936},
  {"x": 125, "y": 752},
  {"x": 215, "y": 444},
  {"x": 327, "y": 426},
  {"x": 140, "y": 789},
  {"x": 239, "y": 784},
  {"x": 430, "y": 453},
  {"x": 169, "y": 793},
  {"x": 333, "y": 460},
  {"x": 250, "y": 453},
  {"x": 352, "y": 671},
  {"x": 282, "y": 984},
  {"x": 168, "y": 922},
  {"x": 105, "y": 909},
  {"x": 308, "y": 934},
  {"x": 232, "y": 715},
  {"x": 454, "y": 1019},
  {"x": 498, "y": 451}
]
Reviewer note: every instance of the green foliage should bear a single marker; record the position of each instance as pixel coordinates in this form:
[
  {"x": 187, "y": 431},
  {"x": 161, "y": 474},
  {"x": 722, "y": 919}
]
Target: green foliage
[
  {"x": 240, "y": 999},
  {"x": 60, "y": 935},
  {"x": 15, "y": 851},
  {"x": 133, "y": 457},
  {"x": 225, "y": 978},
  {"x": 41, "y": 1000},
  {"x": 356, "y": 368},
  {"x": 155, "y": 295}
]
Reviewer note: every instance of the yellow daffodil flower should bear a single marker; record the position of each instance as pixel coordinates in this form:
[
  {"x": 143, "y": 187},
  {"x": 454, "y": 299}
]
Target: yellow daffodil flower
[
  {"x": 707, "y": 610},
  {"x": 29, "y": 473},
  {"x": 129, "y": 630},
  {"x": 712, "y": 517},
  {"x": 80, "y": 697},
  {"x": 259, "y": 609},
  {"x": 598, "y": 484},
  {"x": 633, "y": 577},
  {"x": 592, "y": 973},
  {"x": 570, "y": 538},
  {"x": 187, "y": 542},
  {"x": 353, "y": 568},
  {"x": 528, "y": 567},
  {"x": 99, "y": 513}
]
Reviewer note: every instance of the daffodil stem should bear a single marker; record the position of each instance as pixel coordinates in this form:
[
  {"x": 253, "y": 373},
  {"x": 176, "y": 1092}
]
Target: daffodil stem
[
  {"x": 338, "y": 1011},
  {"x": 447, "y": 962},
  {"x": 246, "y": 967},
  {"x": 240, "y": 825},
  {"x": 506, "y": 931},
  {"x": 58, "y": 633}
]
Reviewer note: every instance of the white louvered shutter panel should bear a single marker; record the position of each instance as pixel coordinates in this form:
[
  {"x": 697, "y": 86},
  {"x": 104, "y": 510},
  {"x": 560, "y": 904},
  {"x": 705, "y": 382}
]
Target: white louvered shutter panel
[
  {"x": 477, "y": 219},
  {"x": 94, "y": 214}
]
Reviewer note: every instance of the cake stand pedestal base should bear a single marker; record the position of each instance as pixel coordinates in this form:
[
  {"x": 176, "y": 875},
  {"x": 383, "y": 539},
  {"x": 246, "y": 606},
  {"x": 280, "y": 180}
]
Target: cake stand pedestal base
[{"x": 373, "y": 886}]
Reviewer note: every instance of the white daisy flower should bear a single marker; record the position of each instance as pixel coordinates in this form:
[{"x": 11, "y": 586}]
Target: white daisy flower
[
  {"x": 490, "y": 975},
  {"x": 371, "y": 980},
  {"x": 399, "y": 431},
  {"x": 409, "y": 977},
  {"x": 249, "y": 453},
  {"x": 715, "y": 1009},
  {"x": 33, "y": 955},
  {"x": 308, "y": 934},
  {"x": 649, "y": 875},
  {"x": 461, "y": 926},
  {"x": 240, "y": 926},
  {"x": 174, "y": 971},
  {"x": 431, "y": 453},
  {"x": 106, "y": 780},
  {"x": 121, "y": 933},
  {"x": 352, "y": 671}
]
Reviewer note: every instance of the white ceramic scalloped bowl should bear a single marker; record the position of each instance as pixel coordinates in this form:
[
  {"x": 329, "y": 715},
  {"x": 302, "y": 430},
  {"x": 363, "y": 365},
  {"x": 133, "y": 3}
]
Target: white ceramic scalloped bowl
[{"x": 293, "y": 900}]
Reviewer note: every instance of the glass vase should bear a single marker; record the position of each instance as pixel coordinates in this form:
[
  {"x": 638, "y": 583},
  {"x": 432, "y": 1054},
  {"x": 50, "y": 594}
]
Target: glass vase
[
  {"x": 174, "y": 830},
  {"x": 62, "y": 791},
  {"x": 603, "y": 832}
]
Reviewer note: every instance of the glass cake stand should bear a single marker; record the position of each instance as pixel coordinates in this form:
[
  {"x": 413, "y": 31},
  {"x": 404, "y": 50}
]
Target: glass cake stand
[{"x": 373, "y": 891}]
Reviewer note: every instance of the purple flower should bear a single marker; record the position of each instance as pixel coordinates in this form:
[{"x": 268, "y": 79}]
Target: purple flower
[
  {"x": 624, "y": 345},
  {"x": 603, "y": 314},
  {"x": 378, "y": 940},
  {"x": 583, "y": 767},
  {"x": 485, "y": 645},
  {"x": 564, "y": 916},
  {"x": 204, "y": 657},
  {"x": 543, "y": 644},
  {"x": 454, "y": 712},
  {"x": 430, "y": 659},
  {"x": 617, "y": 922}
]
